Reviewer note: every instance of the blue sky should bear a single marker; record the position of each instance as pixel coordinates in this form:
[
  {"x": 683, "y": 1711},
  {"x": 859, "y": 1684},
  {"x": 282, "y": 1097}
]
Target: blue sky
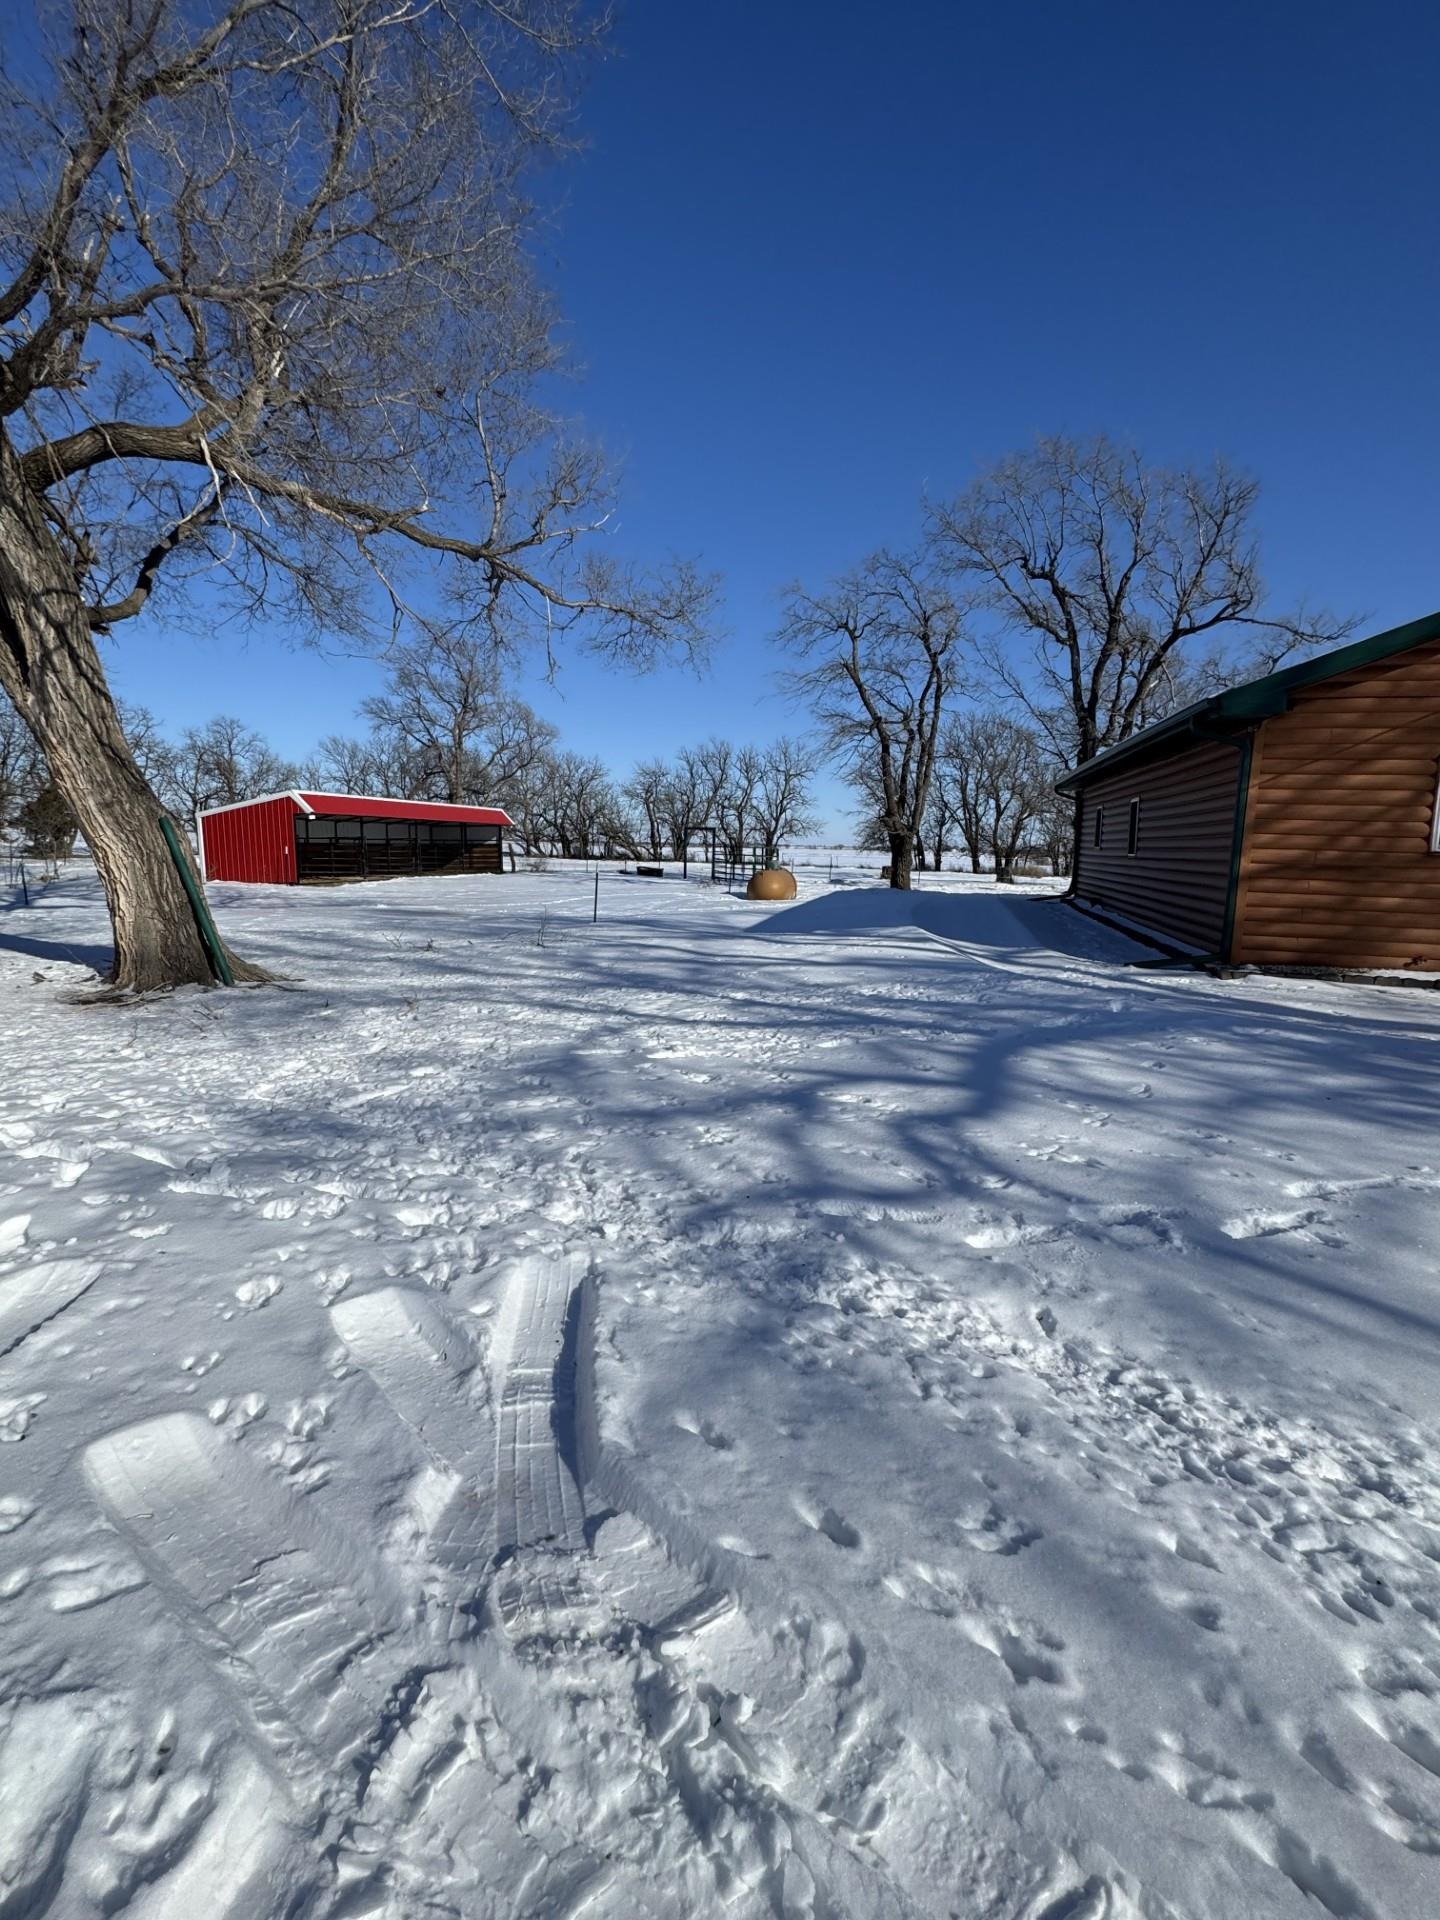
[{"x": 820, "y": 258}]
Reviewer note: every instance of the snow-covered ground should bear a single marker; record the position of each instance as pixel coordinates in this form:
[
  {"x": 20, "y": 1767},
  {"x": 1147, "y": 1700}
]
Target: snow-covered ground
[{"x": 870, "y": 1408}]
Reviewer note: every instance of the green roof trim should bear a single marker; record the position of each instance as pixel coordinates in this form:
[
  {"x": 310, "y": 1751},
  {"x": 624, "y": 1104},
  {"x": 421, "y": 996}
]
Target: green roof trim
[{"x": 1255, "y": 700}]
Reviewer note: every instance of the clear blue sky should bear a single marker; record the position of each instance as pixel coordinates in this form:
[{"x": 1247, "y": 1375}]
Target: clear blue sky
[{"x": 820, "y": 257}]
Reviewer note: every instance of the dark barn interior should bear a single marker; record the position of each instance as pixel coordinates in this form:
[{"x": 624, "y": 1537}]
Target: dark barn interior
[{"x": 331, "y": 847}]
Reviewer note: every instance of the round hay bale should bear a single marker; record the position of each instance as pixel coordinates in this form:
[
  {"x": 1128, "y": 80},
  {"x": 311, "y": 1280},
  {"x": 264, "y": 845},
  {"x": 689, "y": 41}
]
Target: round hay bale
[{"x": 771, "y": 883}]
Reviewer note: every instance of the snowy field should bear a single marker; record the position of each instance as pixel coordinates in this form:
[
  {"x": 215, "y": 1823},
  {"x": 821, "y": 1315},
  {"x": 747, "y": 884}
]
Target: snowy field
[{"x": 868, "y": 1408}]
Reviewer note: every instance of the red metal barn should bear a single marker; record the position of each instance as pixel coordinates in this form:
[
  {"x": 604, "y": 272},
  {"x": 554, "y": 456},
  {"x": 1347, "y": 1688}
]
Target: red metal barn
[{"x": 282, "y": 838}]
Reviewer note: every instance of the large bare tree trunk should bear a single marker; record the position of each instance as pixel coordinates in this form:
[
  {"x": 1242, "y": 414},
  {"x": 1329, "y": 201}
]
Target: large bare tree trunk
[
  {"x": 50, "y": 668},
  {"x": 901, "y": 854}
]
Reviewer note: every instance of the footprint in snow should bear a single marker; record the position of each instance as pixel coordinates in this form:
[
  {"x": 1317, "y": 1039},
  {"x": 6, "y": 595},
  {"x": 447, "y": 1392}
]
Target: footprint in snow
[
  {"x": 254, "y": 1294},
  {"x": 1097, "y": 1899},
  {"x": 237, "y": 1414},
  {"x": 1262, "y": 1223},
  {"x": 737, "y": 1543},
  {"x": 13, "y": 1232},
  {"x": 989, "y": 1233},
  {"x": 825, "y": 1520},
  {"x": 705, "y": 1430},
  {"x": 1204, "y": 1613},
  {"x": 14, "y": 1512},
  {"x": 16, "y": 1413},
  {"x": 1087, "y": 1732},
  {"x": 1191, "y": 1550}
]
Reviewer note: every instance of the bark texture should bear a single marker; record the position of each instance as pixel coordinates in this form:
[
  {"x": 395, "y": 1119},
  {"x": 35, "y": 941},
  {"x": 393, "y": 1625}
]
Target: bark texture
[
  {"x": 901, "y": 852},
  {"x": 51, "y": 670}
]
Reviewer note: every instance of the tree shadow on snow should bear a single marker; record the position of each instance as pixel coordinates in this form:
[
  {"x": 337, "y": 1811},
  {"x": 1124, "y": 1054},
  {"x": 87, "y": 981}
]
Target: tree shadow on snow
[
  {"x": 79, "y": 953},
  {"x": 761, "y": 1104}
]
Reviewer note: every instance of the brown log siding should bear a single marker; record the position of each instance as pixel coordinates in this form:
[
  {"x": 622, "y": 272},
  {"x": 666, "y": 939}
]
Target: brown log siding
[
  {"x": 1337, "y": 868},
  {"x": 1176, "y": 881}
]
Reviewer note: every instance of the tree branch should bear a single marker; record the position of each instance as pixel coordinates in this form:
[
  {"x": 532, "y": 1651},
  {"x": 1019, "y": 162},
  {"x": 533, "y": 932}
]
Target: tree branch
[{"x": 201, "y": 515}]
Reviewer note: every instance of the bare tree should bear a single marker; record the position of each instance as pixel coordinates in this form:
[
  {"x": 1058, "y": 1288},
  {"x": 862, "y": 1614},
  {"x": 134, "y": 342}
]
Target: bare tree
[
  {"x": 514, "y": 739},
  {"x": 648, "y": 790},
  {"x": 442, "y": 689},
  {"x": 1111, "y": 569},
  {"x": 528, "y": 806},
  {"x": 21, "y": 768},
  {"x": 152, "y": 751},
  {"x": 215, "y": 765},
  {"x": 568, "y": 804},
  {"x": 445, "y": 724},
  {"x": 267, "y": 313},
  {"x": 687, "y": 801},
  {"x": 342, "y": 763},
  {"x": 1015, "y": 784},
  {"x": 963, "y": 776},
  {"x": 713, "y": 765},
  {"x": 1055, "y": 830},
  {"x": 588, "y": 816},
  {"x": 781, "y": 805},
  {"x": 49, "y": 826},
  {"x": 881, "y": 647},
  {"x": 735, "y": 809},
  {"x": 996, "y": 778},
  {"x": 940, "y": 816}
]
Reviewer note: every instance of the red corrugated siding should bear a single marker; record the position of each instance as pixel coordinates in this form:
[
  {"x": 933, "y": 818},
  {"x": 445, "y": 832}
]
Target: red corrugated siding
[
  {"x": 255, "y": 843},
  {"x": 349, "y": 807}
]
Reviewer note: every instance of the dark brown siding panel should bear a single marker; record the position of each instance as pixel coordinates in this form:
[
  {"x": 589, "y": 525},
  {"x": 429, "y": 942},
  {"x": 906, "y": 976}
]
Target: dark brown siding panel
[
  {"x": 1176, "y": 881},
  {"x": 1337, "y": 868}
]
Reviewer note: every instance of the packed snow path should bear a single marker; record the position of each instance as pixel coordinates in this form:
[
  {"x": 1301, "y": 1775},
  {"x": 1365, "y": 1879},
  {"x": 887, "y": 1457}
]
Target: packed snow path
[{"x": 872, "y": 1408}]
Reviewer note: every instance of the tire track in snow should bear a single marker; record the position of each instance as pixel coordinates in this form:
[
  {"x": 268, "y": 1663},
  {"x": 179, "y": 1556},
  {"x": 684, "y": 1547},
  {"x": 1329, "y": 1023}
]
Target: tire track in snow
[
  {"x": 260, "y": 1580},
  {"x": 31, "y": 1299},
  {"x": 595, "y": 1610},
  {"x": 612, "y": 1751},
  {"x": 428, "y": 1367},
  {"x": 537, "y": 1496}
]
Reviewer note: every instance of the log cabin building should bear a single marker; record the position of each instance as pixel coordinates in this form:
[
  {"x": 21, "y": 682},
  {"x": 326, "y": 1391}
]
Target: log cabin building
[{"x": 1291, "y": 821}]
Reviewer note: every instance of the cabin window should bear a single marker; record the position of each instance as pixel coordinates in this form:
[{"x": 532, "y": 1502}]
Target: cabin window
[
  {"x": 1134, "y": 840},
  {"x": 1435, "y": 823},
  {"x": 1099, "y": 826}
]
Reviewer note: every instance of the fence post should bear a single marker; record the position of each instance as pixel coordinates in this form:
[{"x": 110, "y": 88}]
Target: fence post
[
  {"x": 24, "y": 885},
  {"x": 596, "y": 914}
]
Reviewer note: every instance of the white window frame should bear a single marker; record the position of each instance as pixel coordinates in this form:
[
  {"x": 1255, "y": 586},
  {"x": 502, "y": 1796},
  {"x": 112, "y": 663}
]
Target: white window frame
[
  {"x": 1132, "y": 828},
  {"x": 1435, "y": 819}
]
